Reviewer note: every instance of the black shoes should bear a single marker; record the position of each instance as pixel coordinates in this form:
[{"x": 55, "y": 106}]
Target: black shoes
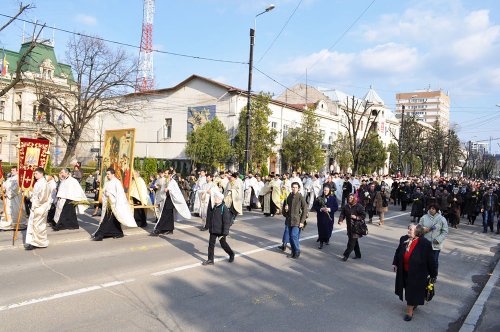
[
  {"x": 208, "y": 262},
  {"x": 282, "y": 247},
  {"x": 203, "y": 229},
  {"x": 231, "y": 258},
  {"x": 29, "y": 247},
  {"x": 118, "y": 236},
  {"x": 154, "y": 233},
  {"x": 96, "y": 238},
  {"x": 320, "y": 245},
  {"x": 357, "y": 257},
  {"x": 168, "y": 232},
  {"x": 408, "y": 318},
  {"x": 295, "y": 255},
  {"x": 344, "y": 259}
]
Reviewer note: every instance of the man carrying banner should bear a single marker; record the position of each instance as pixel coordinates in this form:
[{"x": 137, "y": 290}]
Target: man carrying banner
[
  {"x": 12, "y": 202},
  {"x": 115, "y": 209},
  {"x": 69, "y": 191},
  {"x": 36, "y": 233},
  {"x": 169, "y": 202}
]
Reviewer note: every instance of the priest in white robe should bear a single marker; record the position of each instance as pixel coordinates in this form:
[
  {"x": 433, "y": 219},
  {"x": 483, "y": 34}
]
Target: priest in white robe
[
  {"x": 36, "y": 232},
  {"x": 69, "y": 191},
  {"x": 249, "y": 187},
  {"x": 139, "y": 193},
  {"x": 12, "y": 203},
  {"x": 272, "y": 197},
  {"x": 116, "y": 210},
  {"x": 206, "y": 192},
  {"x": 170, "y": 202},
  {"x": 232, "y": 195},
  {"x": 202, "y": 179}
]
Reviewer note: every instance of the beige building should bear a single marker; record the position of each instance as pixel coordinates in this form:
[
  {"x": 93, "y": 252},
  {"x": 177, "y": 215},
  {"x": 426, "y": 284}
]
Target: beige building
[{"x": 425, "y": 105}]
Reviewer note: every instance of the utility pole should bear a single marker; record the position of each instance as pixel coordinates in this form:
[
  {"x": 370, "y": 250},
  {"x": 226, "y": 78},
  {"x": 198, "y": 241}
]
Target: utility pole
[{"x": 400, "y": 166}]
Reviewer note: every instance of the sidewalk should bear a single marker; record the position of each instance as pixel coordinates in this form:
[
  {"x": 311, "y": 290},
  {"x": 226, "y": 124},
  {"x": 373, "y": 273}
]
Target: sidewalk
[{"x": 483, "y": 316}]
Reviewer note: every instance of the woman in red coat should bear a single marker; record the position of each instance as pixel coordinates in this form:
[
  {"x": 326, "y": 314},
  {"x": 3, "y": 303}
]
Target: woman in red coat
[{"x": 413, "y": 263}]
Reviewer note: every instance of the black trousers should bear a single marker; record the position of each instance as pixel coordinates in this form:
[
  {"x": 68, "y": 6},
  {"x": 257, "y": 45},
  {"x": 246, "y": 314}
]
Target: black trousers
[
  {"x": 352, "y": 244},
  {"x": 223, "y": 244},
  {"x": 403, "y": 205}
]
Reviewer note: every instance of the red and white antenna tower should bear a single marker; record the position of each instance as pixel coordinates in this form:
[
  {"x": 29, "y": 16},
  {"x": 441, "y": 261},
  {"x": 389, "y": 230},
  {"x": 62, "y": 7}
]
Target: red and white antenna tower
[{"x": 145, "y": 76}]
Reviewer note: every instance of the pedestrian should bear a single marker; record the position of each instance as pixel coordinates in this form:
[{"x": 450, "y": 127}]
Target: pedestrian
[
  {"x": 325, "y": 206},
  {"x": 69, "y": 192},
  {"x": 169, "y": 202},
  {"x": 381, "y": 204},
  {"x": 489, "y": 209},
  {"x": 454, "y": 203},
  {"x": 36, "y": 232},
  {"x": 472, "y": 204},
  {"x": 352, "y": 212},
  {"x": 219, "y": 220},
  {"x": 346, "y": 189},
  {"x": 413, "y": 263},
  {"x": 417, "y": 207},
  {"x": 12, "y": 202},
  {"x": 435, "y": 229},
  {"x": 115, "y": 209},
  {"x": 295, "y": 212}
]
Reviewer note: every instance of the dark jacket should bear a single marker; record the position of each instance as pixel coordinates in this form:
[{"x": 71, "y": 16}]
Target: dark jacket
[
  {"x": 346, "y": 188},
  {"x": 417, "y": 208},
  {"x": 494, "y": 202},
  {"x": 421, "y": 265},
  {"x": 219, "y": 219},
  {"x": 296, "y": 213},
  {"x": 345, "y": 214}
]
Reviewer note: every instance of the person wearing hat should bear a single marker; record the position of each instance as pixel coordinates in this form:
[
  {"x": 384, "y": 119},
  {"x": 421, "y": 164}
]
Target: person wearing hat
[{"x": 219, "y": 220}]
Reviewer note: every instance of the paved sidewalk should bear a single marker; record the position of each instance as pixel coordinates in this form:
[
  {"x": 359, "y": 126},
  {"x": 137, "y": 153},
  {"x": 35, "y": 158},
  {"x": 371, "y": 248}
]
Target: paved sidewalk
[{"x": 483, "y": 316}]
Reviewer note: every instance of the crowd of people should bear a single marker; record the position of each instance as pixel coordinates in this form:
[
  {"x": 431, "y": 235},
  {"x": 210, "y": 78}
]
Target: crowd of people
[{"x": 218, "y": 199}]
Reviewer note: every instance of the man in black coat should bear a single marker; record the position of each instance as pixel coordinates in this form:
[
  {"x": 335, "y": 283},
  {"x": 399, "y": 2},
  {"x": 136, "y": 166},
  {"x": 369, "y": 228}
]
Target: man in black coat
[
  {"x": 346, "y": 189},
  {"x": 412, "y": 273},
  {"x": 490, "y": 207},
  {"x": 352, "y": 212},
  {"x": 219, "y": 220}
]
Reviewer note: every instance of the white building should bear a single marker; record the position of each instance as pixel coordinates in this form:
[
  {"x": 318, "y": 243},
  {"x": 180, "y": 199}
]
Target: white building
[{"x": 170, "y": 114}]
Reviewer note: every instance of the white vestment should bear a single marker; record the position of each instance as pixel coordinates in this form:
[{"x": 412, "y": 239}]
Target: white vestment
[
  {"x": 232, "y": 195},
  {"x": 177, "y": 198},
  {"x": 70, "y": 189},
  {"x": 12, "y": 204},
  {"x": 197, "y": 199},
  {"x": 248, "y": 185},
  {"x": 36, "y": 233},
  {"x": 114, "y": 197}
]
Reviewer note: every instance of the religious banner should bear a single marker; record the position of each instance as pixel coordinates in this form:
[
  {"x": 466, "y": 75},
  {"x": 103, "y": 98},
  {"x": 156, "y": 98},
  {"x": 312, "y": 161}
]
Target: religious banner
[
  {"x": 118, "y": 153},
  {"x": 33, "y": 153}
]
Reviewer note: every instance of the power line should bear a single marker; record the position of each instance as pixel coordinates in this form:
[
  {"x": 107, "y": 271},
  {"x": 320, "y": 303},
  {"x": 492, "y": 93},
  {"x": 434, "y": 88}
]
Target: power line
[
  {"x": 132, "y": 46},
  {"x": 282, "y": 29}
]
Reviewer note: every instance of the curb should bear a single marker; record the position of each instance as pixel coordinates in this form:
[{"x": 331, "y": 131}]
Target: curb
[{"x": 469, "y": 325}]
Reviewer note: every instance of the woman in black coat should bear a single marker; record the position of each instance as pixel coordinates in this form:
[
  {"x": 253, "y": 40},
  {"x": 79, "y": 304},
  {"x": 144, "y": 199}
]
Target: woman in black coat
[
  {"x": 417, "y": 207},
  {"x": 325, "y": 207},
  {"x": 219, "y": 220},
  {"x": 413, "y": 263}
]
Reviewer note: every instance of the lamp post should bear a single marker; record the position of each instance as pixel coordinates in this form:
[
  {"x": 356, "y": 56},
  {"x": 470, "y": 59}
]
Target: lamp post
[
  {"x": 250, "y": 69},
  {"x": 400, "y": 145}
]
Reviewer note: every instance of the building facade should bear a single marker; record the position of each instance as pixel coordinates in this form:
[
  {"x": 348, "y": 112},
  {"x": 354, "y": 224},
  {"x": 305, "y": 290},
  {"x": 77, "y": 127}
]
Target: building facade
[
  {"x": 426, "y": 106},
  {"x": 170, "y": 114}
]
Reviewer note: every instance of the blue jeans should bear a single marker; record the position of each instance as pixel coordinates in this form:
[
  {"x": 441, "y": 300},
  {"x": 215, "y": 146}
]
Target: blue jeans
[
  {"x": 286, "y": 236},
  {"x": 436, "y": 258},
  {"x": 489, "y": 218},
  {"x": 294, "y": 238}
]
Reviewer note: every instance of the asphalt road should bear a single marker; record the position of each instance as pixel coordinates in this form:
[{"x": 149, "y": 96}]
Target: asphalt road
[{"x": 143, "y": 283}]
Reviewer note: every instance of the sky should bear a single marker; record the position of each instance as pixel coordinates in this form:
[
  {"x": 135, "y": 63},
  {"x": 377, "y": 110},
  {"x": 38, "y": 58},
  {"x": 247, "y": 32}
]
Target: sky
[{"x": 348, "y": 45}]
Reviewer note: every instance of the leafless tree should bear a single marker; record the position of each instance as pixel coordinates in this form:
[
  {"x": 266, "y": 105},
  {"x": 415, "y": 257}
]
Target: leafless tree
[
  {"x": 37, "y": 29},
  {"x": 360, "y": 117},
  {"x": 102, "y": 77}
]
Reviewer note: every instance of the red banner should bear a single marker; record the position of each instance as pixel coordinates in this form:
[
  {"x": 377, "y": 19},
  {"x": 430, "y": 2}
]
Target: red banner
[{"x": 32, "y": 154}]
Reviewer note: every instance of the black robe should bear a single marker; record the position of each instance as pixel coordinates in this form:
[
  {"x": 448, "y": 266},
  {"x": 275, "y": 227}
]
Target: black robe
[
  {"x": 109, "y": 227},
  {"x": 167, "y": 218},
  {"x": 421, "y": 265},
  {"x": 139, "y": 214},
  {"x": 68, "y": 218},
  {"x": 325, "y": 220}
]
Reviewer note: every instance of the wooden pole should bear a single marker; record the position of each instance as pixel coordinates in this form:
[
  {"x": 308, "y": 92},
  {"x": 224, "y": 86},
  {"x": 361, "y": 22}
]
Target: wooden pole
[{"x": 14, "y": 238}]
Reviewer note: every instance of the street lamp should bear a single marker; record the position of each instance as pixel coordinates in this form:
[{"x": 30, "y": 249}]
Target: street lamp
[{"x": 250, "y": 68}]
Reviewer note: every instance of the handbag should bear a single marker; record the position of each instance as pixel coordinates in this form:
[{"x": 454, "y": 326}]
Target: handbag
[
  {"x": 430, "y": 289},
  {"x": 360, "y": 227}
]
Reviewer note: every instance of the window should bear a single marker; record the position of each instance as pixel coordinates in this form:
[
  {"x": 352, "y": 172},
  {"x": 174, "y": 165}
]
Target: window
[
  {"x": 167, "y": 129},
  {"x": 285, "y": 131},
  {"x": 274, "y": 125},
  {"x": 2, "y": 109},
  {"x": 20, "y": 111}
]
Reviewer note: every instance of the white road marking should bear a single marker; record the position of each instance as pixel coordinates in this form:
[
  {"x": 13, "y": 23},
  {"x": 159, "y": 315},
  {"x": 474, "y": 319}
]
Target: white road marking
[
  {"x": 160, "y": 273},
  {"x": 64, "y": 294}
]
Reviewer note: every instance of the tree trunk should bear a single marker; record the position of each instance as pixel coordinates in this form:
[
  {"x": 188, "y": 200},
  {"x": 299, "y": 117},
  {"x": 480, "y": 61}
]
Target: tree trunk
[{"x": 70, "y": 153}]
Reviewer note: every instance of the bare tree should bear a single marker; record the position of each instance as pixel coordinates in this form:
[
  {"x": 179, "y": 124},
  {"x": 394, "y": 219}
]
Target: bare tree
[
  {"x": 37, "y": 29},
  {"x": 359, "y": 121},
  {"x": 101, "y": 79}
]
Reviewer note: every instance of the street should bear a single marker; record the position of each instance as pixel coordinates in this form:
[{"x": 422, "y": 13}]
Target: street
[{"x": 143, "y": 283}]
